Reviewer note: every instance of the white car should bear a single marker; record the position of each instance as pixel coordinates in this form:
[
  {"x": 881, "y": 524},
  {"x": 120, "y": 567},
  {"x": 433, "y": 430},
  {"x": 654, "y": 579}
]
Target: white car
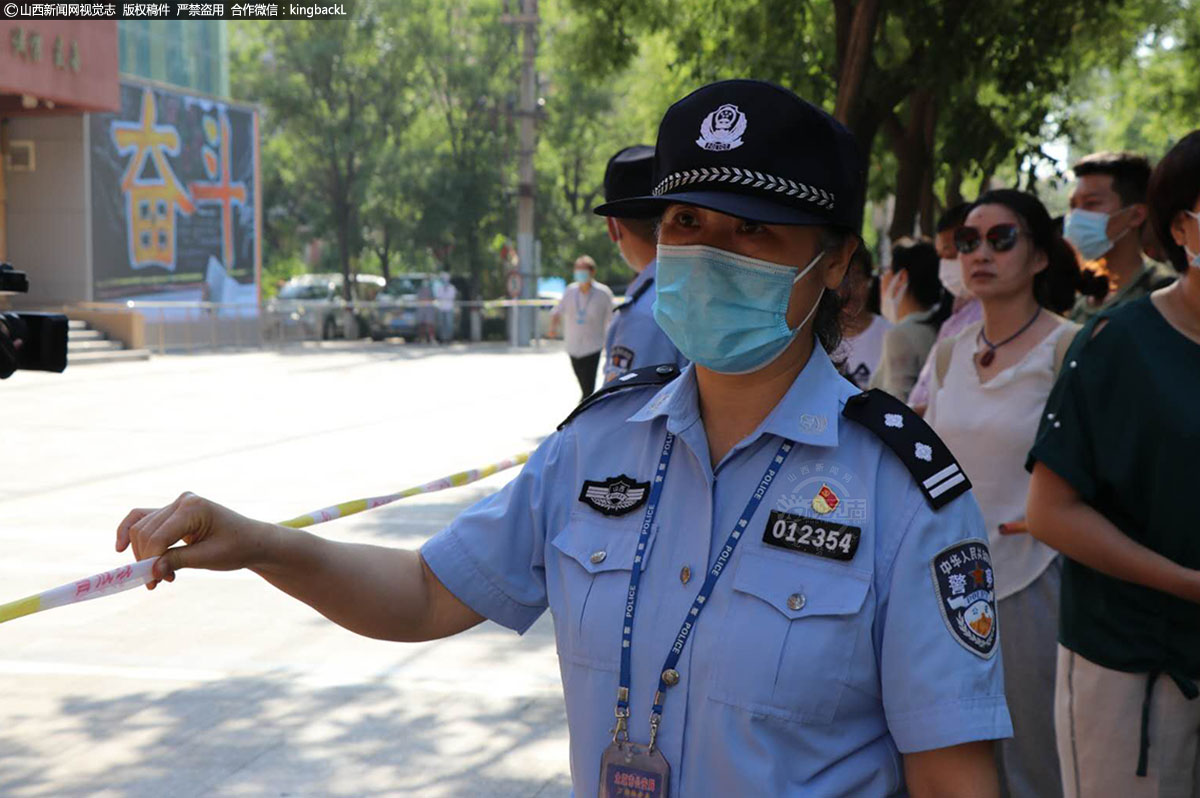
[{"x": 313, "y": 305}]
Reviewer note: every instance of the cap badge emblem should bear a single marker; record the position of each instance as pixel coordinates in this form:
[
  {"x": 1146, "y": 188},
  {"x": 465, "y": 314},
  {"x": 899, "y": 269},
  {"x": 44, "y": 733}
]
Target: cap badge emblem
[{"x": 722, "y": 129}]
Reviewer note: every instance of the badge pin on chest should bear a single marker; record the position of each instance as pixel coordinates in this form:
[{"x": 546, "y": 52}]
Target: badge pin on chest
[
  {"x": 826, "y": 501},
  {"x": 615, "y": 496}
]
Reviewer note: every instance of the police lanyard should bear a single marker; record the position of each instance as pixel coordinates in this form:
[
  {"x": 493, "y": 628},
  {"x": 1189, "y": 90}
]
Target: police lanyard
[
  {"x": 581, "y": 312},
  {"x": 669, "y": 676}
]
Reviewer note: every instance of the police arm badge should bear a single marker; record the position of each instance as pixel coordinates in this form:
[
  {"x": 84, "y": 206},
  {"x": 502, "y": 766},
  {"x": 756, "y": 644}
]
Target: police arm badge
[
  {"x": 615, "y": 495},
  {"x": 965, "y": 588}
]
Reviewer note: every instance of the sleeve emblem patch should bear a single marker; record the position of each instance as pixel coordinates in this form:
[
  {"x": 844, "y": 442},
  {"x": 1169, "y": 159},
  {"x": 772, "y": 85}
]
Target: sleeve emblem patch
[
  {"x": 621, "y": 358},
  {"x": 615, "y": 496},
  {"x": 965, "y": 588}
]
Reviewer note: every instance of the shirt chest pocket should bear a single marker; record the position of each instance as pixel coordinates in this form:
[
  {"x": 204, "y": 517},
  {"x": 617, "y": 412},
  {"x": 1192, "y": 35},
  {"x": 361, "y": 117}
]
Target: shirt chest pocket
[
  {"x": 595, "y": 563},
  {"x": 791, "y": 629}
]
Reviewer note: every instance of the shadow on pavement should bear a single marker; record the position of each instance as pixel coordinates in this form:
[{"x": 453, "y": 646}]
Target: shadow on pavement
[{"x": 265, "y": 736}]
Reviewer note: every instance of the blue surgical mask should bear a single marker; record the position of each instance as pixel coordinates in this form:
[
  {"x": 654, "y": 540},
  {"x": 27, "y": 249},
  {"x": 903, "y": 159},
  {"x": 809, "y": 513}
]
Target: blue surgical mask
[
  {"x": 1088, "y": 231},
  {"x": 725, "y": 311},
  {"x": 582, "y": 275}
]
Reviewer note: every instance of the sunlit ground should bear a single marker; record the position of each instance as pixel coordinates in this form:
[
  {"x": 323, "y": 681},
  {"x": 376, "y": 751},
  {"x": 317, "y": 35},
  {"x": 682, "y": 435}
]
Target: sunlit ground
[{"x": 218, "y": 684}]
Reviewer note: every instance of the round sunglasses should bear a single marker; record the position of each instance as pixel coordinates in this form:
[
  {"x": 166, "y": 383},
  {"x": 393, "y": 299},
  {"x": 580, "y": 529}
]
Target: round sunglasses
[{"x": 1001, "y": 238}]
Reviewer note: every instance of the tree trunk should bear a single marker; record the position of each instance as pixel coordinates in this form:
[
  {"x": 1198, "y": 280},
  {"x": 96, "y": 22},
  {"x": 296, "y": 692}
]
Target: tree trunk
[
  {"x": 954, "y": 186},
  {"x": 857, "y": 55},
  {"x": 913, "y": 152},
  {"x": 928, "y": 202},
  {"x": 385, "y": 254}
]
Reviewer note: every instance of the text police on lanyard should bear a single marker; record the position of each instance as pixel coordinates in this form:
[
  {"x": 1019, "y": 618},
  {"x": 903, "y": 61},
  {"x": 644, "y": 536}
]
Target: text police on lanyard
[{"x": 627, "y": 764}]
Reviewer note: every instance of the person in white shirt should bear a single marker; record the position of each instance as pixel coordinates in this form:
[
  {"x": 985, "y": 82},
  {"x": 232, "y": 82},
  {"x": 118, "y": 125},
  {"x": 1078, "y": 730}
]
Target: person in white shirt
[
  {"x": 588, "y": 306},
  {"x": 987, "y": 393},
  {"x": 862, "y": 345},
  {"x": 444, "y": 296}
]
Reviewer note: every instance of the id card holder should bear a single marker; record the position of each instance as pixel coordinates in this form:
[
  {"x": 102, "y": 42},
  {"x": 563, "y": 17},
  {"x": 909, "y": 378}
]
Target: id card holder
[{"x": 628, "y": 770}]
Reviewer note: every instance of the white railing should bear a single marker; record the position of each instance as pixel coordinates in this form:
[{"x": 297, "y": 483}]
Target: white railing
[{"x": 192, "y": 326}]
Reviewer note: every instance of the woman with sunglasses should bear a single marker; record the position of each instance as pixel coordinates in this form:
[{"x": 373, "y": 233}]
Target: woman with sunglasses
[
  {"x": 1114, "y": 489},
  {"x": 987, "y": 392}
]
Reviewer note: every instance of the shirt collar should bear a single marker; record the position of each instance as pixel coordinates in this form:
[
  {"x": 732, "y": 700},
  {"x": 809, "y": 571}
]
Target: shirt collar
[
  {"x": 645, "y": 276},
  {"x": 808, "y": 413}
]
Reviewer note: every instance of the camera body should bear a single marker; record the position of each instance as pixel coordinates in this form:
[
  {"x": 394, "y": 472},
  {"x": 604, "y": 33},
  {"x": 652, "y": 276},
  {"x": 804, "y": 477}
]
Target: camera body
[{"x": 31, "y": 341}]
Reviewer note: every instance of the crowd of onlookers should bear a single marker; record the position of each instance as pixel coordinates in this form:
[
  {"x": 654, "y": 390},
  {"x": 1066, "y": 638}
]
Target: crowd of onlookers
[{"x": 1059, "y": 359}]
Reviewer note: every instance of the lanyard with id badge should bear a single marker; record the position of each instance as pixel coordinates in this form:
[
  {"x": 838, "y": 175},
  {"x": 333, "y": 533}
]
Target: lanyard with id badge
[{"x": 627, "y": 768}]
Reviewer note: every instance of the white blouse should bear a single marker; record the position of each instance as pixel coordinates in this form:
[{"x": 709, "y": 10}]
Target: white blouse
[
  {"x": 863, "y": 352},
  {"x": 990, "y": 427}
]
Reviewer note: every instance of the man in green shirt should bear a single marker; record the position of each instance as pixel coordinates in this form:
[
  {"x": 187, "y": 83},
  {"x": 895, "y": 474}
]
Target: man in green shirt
[{"x": 1108, "y": 211}]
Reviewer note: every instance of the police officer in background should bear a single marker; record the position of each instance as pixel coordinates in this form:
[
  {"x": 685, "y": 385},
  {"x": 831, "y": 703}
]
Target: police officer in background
[
  {"x": 634, "y": 338},
  {"x": 763, "y": 582}
]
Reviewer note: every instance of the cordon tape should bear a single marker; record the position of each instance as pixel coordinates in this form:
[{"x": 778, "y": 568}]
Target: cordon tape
[{"x": 139, "y": 573}]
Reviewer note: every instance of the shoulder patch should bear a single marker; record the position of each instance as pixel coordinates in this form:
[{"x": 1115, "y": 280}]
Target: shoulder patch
[
  {"x": 649, "y": 377},
  {"x": 916, "y": 444},
  {"x": 963, "y": 581}
]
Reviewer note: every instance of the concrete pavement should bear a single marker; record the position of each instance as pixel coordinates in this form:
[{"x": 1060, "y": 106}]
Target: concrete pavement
[{"x": 218, "y": 684}]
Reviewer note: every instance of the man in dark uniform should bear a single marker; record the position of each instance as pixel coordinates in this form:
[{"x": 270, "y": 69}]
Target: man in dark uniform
[{"x": 634, "y": 338}]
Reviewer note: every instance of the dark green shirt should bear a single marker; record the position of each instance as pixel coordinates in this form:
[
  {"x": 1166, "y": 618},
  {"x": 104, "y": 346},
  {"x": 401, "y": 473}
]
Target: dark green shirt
[{"x": 1122, "y": 426}]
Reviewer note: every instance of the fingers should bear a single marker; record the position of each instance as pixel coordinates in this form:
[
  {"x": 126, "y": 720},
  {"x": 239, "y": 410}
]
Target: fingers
[
  {"x": 134, "y": 516},
  {"x": 142, "y": 533}
]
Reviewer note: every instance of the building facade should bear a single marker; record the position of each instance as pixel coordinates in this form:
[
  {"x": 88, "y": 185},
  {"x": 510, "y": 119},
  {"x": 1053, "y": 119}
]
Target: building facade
[{"x": 128, "y": 174}]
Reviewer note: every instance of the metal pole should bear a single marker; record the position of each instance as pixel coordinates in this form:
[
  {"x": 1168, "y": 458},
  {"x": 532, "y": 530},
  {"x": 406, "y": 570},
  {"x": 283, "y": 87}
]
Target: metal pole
[{"x": 521, "y": 331}]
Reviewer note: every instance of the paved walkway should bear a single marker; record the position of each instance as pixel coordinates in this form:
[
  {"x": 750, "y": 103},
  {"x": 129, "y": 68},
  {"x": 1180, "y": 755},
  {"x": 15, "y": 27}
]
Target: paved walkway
[{"x": 218, "y": 684}]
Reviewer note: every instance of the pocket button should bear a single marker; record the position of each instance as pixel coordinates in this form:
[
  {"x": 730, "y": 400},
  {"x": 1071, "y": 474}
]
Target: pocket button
[
  {"x": 796, "y": 602},
  {"x": 598, "y": 557}
]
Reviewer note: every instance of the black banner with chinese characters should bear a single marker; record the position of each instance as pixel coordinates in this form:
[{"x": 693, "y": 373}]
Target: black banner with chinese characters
[
  {"x": 265, "y": 11},
  {"x": 174, "y": 198}
]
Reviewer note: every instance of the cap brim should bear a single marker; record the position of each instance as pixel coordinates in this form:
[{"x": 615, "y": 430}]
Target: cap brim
[{"x": 744, "y": 206}]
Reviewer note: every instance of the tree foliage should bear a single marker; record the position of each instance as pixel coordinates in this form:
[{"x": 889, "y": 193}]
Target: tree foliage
[{"x": 391, "y": 135}]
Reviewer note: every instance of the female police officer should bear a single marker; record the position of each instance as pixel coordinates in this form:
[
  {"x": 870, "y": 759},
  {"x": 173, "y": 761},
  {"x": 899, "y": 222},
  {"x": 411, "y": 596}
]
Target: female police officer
[{"x": 762, "y": 582}]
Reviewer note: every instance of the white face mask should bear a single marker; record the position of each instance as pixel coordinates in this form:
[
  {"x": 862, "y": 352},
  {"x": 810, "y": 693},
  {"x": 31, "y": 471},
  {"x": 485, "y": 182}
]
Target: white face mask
[
  {"x": 889, "y": 298},
  {"x": 951, "y": 274},
  {"x": 1193, "y": 257}
]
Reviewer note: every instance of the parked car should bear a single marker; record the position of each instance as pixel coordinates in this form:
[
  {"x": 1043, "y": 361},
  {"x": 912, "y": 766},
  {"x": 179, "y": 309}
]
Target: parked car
[
  {"x": 313, "y": 305},
  {"x": 394, "y": 316}
]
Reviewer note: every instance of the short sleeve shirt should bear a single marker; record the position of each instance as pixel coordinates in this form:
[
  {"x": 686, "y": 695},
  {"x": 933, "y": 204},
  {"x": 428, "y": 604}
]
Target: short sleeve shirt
[
  {"x": 585, "y": 318},
  {"x": 1122, "y": 428},
  {"x": 634, "y": 337},
  {"x": 806, "y": 675},
  {"x": 905, "y": 347}
]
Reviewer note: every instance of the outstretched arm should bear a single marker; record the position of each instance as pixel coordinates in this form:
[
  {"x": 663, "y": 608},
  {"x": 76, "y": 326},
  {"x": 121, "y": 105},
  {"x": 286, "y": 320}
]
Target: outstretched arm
[{"x": 389, "y": 594}]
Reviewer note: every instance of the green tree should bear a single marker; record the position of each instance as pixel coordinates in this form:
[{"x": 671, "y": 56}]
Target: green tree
[
  {"x": 956, "y": 87},
  {"x": 335, "y": 91}
]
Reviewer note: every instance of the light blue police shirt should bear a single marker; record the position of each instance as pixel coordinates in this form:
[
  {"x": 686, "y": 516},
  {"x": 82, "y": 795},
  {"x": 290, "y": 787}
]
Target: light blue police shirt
[
  {"x": 634, "y": 338},
  {"x": 804, "y": 676}
]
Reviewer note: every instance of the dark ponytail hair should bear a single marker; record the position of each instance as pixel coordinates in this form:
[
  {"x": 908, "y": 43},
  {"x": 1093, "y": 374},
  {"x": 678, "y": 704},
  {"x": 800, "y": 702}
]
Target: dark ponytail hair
[{"x": 1054, "y": 287}]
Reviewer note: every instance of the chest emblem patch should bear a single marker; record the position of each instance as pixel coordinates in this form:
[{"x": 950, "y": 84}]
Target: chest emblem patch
[
  {"x": 965, "y": 587},
  {"x": 615, "y": 495}
]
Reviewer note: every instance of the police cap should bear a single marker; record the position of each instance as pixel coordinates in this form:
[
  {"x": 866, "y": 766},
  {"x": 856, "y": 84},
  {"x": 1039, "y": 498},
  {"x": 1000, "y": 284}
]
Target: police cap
[
  {"x": 754, "y": 150},
  {"x": 630, "y": 173}
]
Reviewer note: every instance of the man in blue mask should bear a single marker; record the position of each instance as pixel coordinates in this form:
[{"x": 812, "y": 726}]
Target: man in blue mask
[
  {"x": 634, "y": 337},
  {"x": 763, "y": 581},
  {"x": 1108, "y": 213}
]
